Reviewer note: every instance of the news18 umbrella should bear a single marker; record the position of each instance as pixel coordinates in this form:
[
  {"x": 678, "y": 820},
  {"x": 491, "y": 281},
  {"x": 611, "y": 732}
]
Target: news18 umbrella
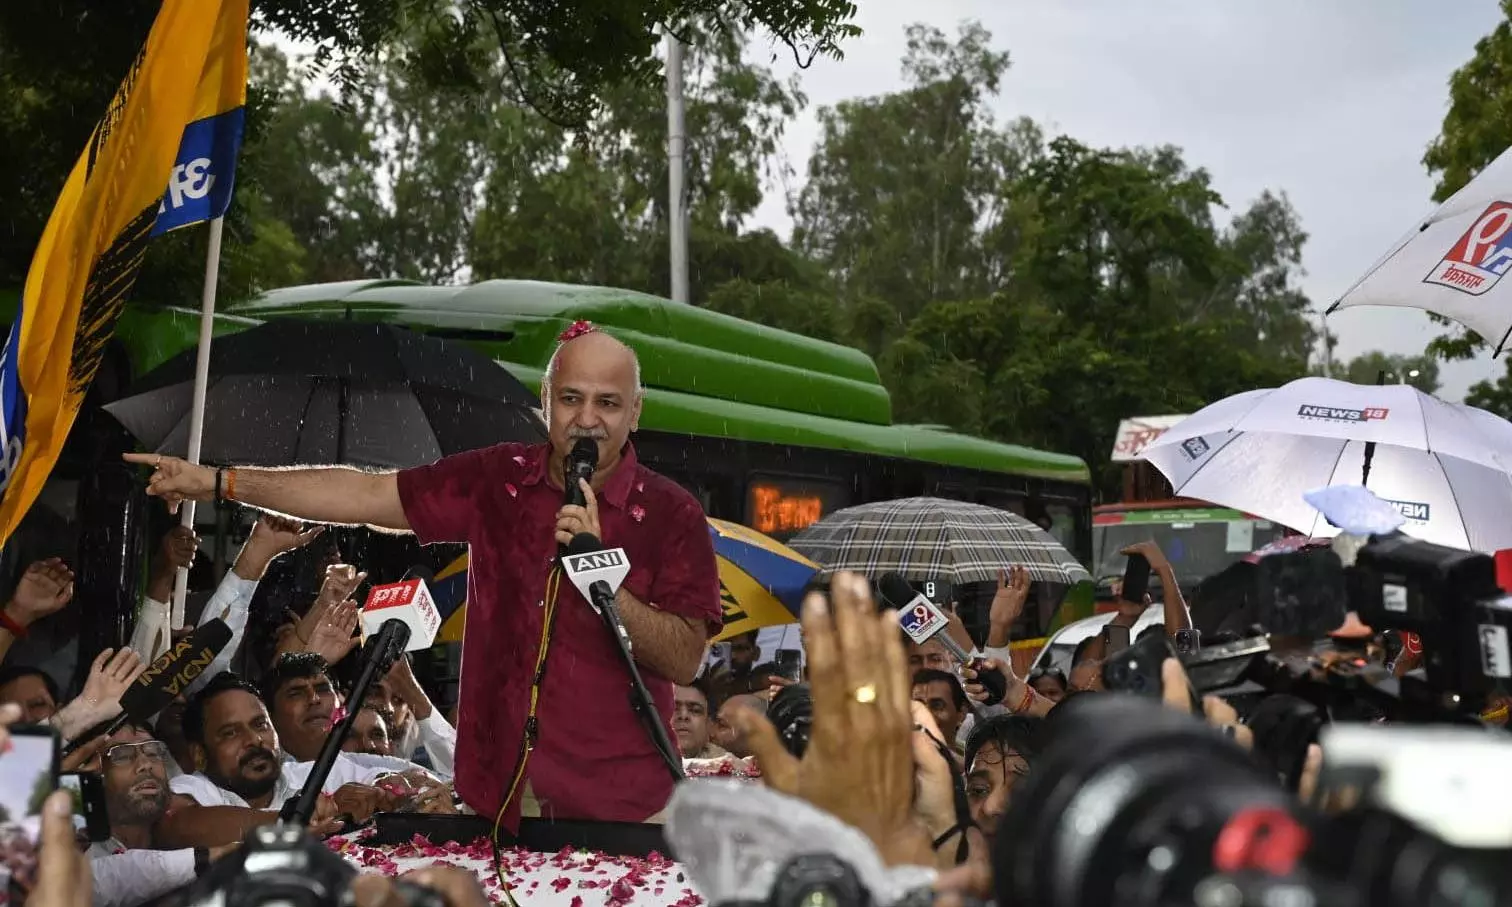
[
  {"x": 761, "y": 583},
  {"x": 1444, "y": 466}
]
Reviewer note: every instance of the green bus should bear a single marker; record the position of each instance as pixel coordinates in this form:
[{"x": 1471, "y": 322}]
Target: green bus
[{"x": 767, "y": 428}]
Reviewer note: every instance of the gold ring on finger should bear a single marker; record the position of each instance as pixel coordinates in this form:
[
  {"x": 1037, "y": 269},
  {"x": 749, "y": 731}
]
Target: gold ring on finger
[{"x": 866, "y": 693}]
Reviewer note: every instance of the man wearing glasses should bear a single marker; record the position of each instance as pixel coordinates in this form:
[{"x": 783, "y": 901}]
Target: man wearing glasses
[{"x": 127, "y": 871}]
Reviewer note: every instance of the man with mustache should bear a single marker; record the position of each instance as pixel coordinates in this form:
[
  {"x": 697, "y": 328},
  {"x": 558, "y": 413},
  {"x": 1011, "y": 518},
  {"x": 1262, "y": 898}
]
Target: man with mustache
[
  {"x": 127, "y": 869},
  {"x": 241, "y": 782},
  {"x": 304, "y": 706},
  {"x": 542, "y": 677}
]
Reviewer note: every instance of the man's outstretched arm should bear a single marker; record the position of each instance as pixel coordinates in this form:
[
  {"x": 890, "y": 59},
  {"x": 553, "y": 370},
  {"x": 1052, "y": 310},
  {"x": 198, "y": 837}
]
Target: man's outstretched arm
[{"x": 324, "y": 494}]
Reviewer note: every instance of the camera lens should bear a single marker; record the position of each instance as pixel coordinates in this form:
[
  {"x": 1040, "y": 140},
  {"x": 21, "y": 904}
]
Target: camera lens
[
  {"x": 818, "y": 880},
  {"x": 1123, "y": 807}
]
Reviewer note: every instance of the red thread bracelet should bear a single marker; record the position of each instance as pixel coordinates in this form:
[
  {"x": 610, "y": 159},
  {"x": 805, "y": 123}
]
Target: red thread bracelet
[
  {"x": 1027, "y": 701},
  {"x": 10, "y": 624}
]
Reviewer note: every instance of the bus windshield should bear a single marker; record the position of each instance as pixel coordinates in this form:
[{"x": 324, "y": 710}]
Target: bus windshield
[{"x": 1196, "y": 547}]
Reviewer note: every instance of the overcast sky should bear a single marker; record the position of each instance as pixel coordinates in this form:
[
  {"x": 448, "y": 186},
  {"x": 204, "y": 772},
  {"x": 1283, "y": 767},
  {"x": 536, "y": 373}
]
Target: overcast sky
[{"x": 1330, "y": 101}]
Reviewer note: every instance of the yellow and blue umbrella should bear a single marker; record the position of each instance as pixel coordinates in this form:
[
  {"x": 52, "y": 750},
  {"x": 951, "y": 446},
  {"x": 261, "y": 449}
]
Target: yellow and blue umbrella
[{"x": 761, "y": 583}]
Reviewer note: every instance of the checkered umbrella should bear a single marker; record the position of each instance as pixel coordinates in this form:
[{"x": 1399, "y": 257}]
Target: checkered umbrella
[{"x": 929, "y": 538}]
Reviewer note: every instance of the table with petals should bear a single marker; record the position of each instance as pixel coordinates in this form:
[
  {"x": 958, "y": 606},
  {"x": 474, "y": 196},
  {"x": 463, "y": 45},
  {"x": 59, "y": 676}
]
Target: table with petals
[{"x": 568, "y": 878}]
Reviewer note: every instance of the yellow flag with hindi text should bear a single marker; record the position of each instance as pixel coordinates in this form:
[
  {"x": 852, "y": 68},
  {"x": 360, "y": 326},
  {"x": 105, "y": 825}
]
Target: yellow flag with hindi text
[{"x": 91, "y": 250}]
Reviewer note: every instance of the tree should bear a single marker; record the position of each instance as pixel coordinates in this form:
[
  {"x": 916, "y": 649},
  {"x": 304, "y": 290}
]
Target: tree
[
  {"x": 1038, "y": 292},
  {"x": 409, "y": 54},
  {"x": 591, "y": 206},
  {"x": 561, "y": 58},
  {"x": 902, "y": 188},
  {"x": 1422, "y": 372}
]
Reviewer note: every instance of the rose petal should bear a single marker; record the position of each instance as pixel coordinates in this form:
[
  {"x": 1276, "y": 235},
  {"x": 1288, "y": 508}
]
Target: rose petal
[{"x": 513, "y": 491}]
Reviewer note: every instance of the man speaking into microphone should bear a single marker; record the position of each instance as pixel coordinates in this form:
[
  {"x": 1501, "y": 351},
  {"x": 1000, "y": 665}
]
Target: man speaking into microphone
[{"x": 544, "y": 718}]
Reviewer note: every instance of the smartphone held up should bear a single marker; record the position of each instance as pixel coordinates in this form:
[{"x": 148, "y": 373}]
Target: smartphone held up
[{"x": 28, "y": 775}]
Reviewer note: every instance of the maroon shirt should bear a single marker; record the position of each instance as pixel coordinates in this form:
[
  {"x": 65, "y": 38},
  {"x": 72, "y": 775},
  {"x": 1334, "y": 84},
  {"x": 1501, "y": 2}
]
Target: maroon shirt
[{"x": 593, "y": 759}]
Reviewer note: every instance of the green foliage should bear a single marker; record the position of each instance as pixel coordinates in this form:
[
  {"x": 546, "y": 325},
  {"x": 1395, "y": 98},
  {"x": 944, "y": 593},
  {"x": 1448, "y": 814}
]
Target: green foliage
[
  {"x": 1493, "y": 396},
  {"x": 1422, "y": 372},
  {"x": 561, "y": 58},
  {"x": 1024, "y": 288},
  {"x": 1039, "y": 291}
]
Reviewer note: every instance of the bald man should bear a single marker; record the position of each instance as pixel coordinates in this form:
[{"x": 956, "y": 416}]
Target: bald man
[{"x": 585, "y": 756}]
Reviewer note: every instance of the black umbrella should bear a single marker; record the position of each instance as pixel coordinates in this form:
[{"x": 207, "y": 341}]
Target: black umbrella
[{"x": 289, "y": 392}]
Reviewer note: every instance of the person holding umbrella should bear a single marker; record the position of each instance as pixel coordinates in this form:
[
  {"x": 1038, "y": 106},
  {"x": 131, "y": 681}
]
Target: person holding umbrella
[{"x": 593, "y": 760}]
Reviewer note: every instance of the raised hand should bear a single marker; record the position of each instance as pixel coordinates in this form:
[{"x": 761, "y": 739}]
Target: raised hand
[
  {"x": 177, "y": 549},
  {"x": 114, "y": 670},
  {"x": 1007, "y": 604},
  {"x": 332, "y": 637},
  {"x": 858, "y": 673},
  {"x": 45, "y": 588},
  {"x": 280, "y": 534},
  {"x": 175, "y": 480},
  {"x": 341, "y": 580}
]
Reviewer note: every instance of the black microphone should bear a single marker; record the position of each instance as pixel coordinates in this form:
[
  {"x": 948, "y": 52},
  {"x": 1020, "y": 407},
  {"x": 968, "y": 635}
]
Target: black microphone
[
  {"x": 164, "y": 679},
  {"x": 597, "y": 572},
  {"x": 582, "y": 460},
  {"x": 383, "y": 647}
]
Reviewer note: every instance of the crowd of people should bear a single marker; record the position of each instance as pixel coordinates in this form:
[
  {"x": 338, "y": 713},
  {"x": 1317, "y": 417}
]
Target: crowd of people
[{"x": 901, "y": 740}]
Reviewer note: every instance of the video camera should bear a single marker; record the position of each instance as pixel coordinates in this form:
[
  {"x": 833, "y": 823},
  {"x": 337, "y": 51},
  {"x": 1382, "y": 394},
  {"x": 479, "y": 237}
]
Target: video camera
[{"x": 1396, "y": 584}]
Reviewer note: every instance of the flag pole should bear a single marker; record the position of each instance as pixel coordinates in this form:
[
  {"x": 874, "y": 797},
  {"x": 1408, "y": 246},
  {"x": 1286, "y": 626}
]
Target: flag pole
[{"x": 197, "y": 408}]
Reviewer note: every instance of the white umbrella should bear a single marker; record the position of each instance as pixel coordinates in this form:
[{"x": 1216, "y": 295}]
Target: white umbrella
[
  {"x": 1444, "y": 466},
  {"x": 1452, "y": 264}
]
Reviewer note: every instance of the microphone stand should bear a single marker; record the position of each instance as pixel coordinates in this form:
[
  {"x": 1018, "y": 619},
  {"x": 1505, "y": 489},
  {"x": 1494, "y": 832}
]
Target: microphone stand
[
  {"x": 640, "y": 697},
  {"x": 387, "y": 645}
]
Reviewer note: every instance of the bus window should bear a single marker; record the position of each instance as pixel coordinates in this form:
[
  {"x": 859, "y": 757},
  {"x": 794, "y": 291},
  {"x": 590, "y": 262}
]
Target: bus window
[
  {"x": 1062, "y": 519},
  {"x": 782, "y": 507}
]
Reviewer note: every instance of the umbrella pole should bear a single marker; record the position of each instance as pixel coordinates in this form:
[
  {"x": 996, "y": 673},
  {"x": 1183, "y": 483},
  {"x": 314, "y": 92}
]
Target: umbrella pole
[
  {"x": 197, "y": 407},
  {"x": 341, "y": 421},
  {"x": 1370, "y": 445}
]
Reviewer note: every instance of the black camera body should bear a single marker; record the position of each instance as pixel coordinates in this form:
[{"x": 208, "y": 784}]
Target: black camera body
[{"x": 284, "y": 865}]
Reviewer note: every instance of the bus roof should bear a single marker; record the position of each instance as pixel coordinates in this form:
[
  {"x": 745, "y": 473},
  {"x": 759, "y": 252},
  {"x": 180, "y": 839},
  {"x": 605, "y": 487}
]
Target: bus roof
[{"x": 681, "y": 347}]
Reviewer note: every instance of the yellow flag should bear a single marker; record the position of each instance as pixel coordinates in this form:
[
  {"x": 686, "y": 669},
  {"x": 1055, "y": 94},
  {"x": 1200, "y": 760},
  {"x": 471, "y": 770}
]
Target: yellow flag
[{"x": 90, "y": 252}]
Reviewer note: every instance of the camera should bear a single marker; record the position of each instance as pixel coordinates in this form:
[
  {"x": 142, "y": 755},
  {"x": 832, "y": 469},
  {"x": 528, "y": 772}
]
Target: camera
[
  {"x": 791, "y": 712},
  {"x": 1133, "y": 804},
  {"x": 283, "y": 865}
]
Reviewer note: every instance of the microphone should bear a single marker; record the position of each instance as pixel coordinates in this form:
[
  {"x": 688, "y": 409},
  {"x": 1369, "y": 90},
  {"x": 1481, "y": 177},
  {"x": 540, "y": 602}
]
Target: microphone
[
  {"x": 391, "y": 639},
  {"x": 407, "y": 602},
  {"x": 582, "y": 460},
  {"x": 164, "y": 679},
  {"x": 595, "y": 571},
  {"x": 923, "y": 620}
]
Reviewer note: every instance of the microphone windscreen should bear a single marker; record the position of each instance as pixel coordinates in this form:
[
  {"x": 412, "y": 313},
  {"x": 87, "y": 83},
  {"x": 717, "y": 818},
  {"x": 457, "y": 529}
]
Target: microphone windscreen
[
  {"x": 584, "y": 450},
  {"x": 174, "y": 670},
  {"x": 896, "y": 591},
  {"x": 420, "y": 572},
  {"x": 584, "y": 543}
]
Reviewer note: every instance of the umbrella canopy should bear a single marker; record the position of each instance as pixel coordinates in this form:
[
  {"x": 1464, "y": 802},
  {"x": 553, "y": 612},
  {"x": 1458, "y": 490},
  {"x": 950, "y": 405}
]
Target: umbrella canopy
[
  {"x": 289, "y": 392},
  {"x": 930, "y": 538},
  {"x": 761, "y": 583},
  {"x": 1440, "y": 464},
  {"x": 1453, "y": 261}
]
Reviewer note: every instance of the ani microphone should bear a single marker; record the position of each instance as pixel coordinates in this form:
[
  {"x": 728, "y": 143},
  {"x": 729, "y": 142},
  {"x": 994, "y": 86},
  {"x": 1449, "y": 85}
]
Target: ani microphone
[{"x": 163, "y": 680}]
